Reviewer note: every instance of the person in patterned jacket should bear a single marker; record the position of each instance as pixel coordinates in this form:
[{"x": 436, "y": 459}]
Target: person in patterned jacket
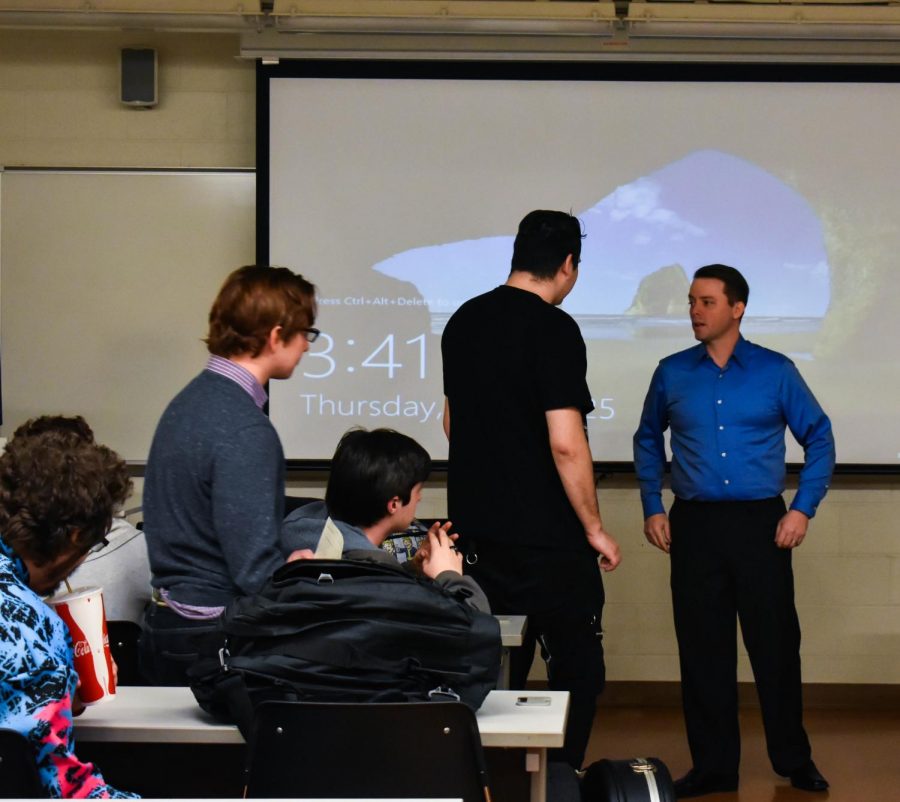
[{"x": 58, "y": 491}]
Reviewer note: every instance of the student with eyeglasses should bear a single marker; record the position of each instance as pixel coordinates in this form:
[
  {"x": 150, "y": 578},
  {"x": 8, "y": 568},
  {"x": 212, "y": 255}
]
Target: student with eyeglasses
[
  {"x": 58, "y": 491},
  {"x": 214, "y": 484},
  {"x": 121, "y": 568}
]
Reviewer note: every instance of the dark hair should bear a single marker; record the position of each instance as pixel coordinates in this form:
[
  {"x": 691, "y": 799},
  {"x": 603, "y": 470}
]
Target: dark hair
[
  {"x": 543, "y": 242},
  {"x": 370, "y": 468},
  {"x": 53, "y": 486},
  {"x": 65, "y": 429},
  {"x": 736, "y": 286},
  {"x": 253, "y": 301}
]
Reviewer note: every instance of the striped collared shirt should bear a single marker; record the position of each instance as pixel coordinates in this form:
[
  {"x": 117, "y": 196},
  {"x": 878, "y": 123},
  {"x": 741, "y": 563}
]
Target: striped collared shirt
[{"x": 240, "y": 375}]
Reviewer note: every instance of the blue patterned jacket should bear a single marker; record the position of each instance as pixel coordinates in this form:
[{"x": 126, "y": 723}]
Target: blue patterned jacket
[{"x": 37, "y": 685}]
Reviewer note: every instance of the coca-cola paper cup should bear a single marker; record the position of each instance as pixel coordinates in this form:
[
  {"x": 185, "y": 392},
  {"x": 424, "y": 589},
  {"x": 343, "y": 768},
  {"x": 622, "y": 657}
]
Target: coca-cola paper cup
[{"x": 82, "y": 611}]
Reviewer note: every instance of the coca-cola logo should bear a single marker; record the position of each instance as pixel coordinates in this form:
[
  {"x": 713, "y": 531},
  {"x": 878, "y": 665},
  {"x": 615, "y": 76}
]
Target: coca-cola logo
[{"x": 82, "y": 648}]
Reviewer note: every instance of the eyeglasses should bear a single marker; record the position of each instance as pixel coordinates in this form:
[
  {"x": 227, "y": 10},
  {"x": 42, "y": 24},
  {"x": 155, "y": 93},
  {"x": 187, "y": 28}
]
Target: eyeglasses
[
  {"x": 98, "y": 546},
  {"x": 311, "y": 334}
]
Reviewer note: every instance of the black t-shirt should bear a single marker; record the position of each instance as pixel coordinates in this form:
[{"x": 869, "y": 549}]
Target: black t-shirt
[{"x": 508, "y": 358}]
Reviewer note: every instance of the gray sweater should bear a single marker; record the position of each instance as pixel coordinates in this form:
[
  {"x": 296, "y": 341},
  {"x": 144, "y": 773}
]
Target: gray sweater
[
  {"x": 213, "y": 495},
  {"x": 303, "y": 528}
]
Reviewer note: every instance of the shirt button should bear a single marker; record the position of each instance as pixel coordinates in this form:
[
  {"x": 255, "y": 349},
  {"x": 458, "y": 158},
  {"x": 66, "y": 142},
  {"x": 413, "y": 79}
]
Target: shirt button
[
  {"x": 724, "y": 453},
  {"x": 721, "y": 375},
  {"x": 728, "y": 481},
  {"x": 721, "y": 428},
  {"x": 719, "y": 401}
]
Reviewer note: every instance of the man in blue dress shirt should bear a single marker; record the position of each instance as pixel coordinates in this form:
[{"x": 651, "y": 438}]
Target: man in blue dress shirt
[{"x": 729, "y": 536}]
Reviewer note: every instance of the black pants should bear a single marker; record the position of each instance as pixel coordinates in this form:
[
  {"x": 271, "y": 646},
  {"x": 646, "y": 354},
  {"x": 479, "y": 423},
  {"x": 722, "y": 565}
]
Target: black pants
[
  {"x": 170, "y": 645},
  {"x": 562, "y": 595},
  {"x": 724, "y": 564}
]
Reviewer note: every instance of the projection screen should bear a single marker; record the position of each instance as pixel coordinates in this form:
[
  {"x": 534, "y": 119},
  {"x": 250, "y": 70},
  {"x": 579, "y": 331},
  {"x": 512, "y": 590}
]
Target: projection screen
[{"x": 397, "y": 189}]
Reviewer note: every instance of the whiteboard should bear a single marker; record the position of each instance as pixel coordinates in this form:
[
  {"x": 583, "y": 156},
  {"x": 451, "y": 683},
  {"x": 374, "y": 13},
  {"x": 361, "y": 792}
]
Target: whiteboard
[{"x": 106, "y": 279}]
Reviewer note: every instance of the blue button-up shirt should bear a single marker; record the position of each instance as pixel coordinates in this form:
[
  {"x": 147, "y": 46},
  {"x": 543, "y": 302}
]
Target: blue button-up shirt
[{"x": 728, "y": 429}]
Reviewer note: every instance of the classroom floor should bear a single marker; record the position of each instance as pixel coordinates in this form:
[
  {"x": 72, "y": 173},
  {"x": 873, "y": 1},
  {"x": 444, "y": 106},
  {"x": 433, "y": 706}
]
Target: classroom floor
[{"x": 857, "y": 750}]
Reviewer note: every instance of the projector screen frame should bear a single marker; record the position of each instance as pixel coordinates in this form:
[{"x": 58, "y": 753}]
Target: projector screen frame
[{"x": 636, "y": 71}]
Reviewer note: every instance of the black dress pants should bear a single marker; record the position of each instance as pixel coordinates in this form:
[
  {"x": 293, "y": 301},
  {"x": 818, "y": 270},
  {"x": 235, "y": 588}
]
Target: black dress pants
[
  {"x": 571, "y": 643},
  {"x": 725, "y": 564},
  {"x": 562, "y": 595}
]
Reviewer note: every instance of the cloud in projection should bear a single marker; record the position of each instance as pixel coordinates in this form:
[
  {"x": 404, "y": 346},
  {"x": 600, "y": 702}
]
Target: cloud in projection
[{"x": 707, "y": 207}]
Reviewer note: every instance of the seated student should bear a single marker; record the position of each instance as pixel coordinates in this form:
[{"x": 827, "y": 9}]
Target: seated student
[
  {"x": 374, "y": 487},
  {"x": 58, "y": 491},
  {"x": 120, "y": 568},
  {"x": 214, "y": 485}
]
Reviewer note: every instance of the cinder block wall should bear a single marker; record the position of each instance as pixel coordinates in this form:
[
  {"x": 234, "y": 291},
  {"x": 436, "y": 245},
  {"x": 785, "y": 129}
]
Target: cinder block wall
[
  {"x": 59, "y": 107},
  {"x": 847, "y": 590},
  {"x": 59, "y": 102}
]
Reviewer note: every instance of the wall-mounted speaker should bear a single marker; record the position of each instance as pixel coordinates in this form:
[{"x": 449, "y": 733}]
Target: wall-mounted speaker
[{"x": 139, "y": 83}]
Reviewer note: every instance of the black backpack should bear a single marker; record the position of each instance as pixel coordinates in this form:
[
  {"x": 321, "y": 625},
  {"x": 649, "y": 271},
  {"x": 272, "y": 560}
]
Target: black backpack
[{"x": 348, "y": 631}]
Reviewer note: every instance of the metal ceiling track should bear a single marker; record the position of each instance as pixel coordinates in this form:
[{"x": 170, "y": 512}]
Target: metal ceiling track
[{"x": 835, "y": 30}]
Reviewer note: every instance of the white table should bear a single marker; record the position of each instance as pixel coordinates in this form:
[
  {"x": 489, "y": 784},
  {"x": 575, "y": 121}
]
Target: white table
[
  {"x": 512, "y": 632},
  {"x": 171, "y": 715},
  {"x": 512, "y": 629}
]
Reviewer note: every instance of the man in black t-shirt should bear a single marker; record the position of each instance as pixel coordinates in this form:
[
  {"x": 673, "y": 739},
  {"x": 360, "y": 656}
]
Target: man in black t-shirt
[{"x": 521, "y": 486}]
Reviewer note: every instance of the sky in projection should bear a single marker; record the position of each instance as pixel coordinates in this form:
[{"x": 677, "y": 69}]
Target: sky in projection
[{"x": 707, "y": 207}]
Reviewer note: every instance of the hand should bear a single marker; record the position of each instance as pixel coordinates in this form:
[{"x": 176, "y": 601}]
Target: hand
[
  {"x": 657, "y": 532},
  {"x": 423, "y": 550},
  {"x": 301, "y": 554},
  {"x": 791, "y": 530},
  {"x": 440, "y": 553},
  {"x": 604, "y": 543},
  {"x": 78, "y": 707}
]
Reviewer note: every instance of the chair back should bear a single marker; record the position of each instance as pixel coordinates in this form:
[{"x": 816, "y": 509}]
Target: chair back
[
  {"x": 123, "y": 644},
  {"x": 326, "y": 750},
  {"x": 18, "y": 773},
  {"x": 292, "y": 503}
]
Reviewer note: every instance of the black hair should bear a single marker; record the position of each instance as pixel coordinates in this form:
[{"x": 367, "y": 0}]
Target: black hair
[
  {"x": 544, "y": 240},
  {"x": 368, "y": 469},
  {"x": 736, "y": 286}
]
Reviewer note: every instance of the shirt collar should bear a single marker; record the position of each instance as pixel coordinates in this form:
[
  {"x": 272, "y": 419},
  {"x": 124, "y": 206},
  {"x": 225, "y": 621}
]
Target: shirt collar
[
  {"x": 740, "y": 355},
  {"x": 699, "y": 353},
  {"x": 240, "y": 375}
]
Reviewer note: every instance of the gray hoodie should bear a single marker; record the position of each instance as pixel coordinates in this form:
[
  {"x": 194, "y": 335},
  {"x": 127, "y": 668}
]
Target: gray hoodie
[{"x": 303, "y": 528}]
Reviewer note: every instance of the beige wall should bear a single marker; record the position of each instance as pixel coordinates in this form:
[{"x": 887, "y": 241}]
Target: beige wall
[
  {"x": 847, "y": 589},
  {"x": 59, "y": 103},
  {"x": 59, "y": 107}
]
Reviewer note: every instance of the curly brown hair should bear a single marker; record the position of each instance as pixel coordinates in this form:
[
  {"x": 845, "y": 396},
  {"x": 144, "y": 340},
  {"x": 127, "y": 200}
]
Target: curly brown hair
[
  {"x": 254, "y": 300},
  {"x": 67, "y": 429},
  {"x": 55, "y": 495}
]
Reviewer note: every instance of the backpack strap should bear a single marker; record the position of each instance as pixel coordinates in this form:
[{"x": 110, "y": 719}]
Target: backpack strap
[{"x": 234, "y": 693}]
